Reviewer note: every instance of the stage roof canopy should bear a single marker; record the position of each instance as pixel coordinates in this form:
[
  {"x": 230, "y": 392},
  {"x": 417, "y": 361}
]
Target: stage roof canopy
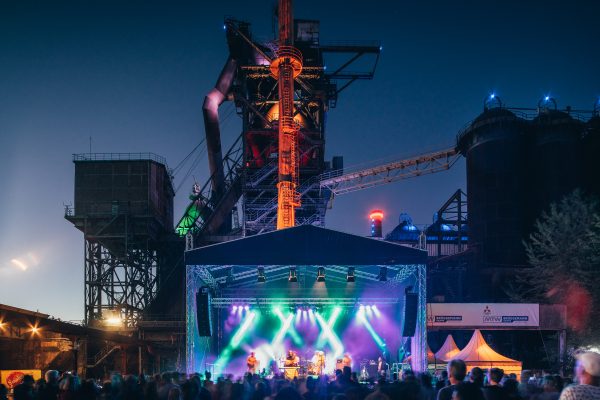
[{"x": 305, "y": 245}]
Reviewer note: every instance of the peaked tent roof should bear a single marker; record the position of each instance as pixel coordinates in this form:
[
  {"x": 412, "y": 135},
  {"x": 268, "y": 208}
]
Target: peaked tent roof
[
  {"x": 448, "y": 350},
  {"x": 305, "y": 245},
  {"x": 478, "y": 351}
]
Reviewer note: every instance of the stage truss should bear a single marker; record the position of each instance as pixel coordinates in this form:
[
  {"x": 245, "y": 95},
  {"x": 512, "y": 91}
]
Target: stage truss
[{"x": 198, "y": 276}]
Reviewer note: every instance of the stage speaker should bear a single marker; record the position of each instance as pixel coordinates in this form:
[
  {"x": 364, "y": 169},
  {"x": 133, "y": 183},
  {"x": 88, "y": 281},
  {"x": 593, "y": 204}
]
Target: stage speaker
[
  {"x": 203, "y": 314},
  {"x": 409, "y": 324}
]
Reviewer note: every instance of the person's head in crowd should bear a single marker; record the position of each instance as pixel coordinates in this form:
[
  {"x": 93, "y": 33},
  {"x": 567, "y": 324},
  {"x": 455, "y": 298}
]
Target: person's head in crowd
[
  {"x": 425, "y": 380},
  {"x": 51, "y": 377},
  {"x": 457, "y": 370},
  {"x": 174, "y": 393},
  {"x": 495, "y": 376},
  {"x": 526, "y": 375},
  {"x": 288, "y": 393},
  {"x": 476, "y": 376},
  {"x": 550, "y": 384},
  {"x": 444, "y": 375},
  {"x": 511, "y": 388},
  {"x": 467, "y": 391},
  {"x": 587, "y": 368}
]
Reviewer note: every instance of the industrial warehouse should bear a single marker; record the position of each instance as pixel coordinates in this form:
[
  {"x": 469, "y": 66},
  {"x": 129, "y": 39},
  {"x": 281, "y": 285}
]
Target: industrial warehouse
[{"x": 245, "y": 282}]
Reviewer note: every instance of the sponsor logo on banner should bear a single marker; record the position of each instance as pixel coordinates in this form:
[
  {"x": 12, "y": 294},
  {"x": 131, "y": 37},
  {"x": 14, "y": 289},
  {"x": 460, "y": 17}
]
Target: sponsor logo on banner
[
  {"x": 489, "y": 318},
  {"x": 482, "y": 315}
]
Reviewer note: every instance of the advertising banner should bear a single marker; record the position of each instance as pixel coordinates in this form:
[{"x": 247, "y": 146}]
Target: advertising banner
[
  {"x": 13, "y": 377},
  {"x": 482, "y": 315}
]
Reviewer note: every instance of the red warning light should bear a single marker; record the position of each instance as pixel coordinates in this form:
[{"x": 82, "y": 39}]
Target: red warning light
[{"x": 376, "y": 215}]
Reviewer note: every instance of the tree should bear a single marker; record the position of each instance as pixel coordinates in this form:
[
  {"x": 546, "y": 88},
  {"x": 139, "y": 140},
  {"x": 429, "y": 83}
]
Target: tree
[{"x": 564, "y": 254}]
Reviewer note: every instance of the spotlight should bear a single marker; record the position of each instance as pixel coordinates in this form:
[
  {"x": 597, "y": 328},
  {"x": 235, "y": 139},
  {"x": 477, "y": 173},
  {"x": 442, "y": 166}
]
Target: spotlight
[
  {"x": 320, "y": 274},
  {"x": 246, "y": 308},
  {"x": 361, "y": 308},
  {"x": 547, "y": 98},
  {"x": 235, "y": 308},
  {"x": 293, "y": 277},
  {"x": 350, "y": 276},
  {"x": 261, "y": 275},
  {"x": 382, "y": 277}
]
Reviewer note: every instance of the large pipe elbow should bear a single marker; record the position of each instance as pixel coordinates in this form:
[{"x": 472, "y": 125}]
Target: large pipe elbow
[{"x": 210, "y": 111}]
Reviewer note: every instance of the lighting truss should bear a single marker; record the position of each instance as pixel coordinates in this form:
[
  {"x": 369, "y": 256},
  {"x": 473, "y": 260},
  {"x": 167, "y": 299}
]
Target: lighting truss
[{"x": 287, "y": 302}]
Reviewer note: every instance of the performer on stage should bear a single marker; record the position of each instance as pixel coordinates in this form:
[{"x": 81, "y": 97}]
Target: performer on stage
[
  {"x": 346, "y": 361},
  {"x": 291, "y": 365},
  {"x": 382, "y": 367},
  {"x": 252, "y": 363},
  {"x": 292, "y": 359},
  {"x": 318, "y": 362}
]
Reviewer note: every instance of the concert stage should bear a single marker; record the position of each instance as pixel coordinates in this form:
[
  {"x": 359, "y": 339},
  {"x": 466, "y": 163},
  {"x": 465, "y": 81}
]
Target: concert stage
[{"x": 263, "y": 294}]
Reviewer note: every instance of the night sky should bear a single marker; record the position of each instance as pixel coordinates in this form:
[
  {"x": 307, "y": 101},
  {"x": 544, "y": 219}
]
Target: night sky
[{"x": 132, "y": 75}]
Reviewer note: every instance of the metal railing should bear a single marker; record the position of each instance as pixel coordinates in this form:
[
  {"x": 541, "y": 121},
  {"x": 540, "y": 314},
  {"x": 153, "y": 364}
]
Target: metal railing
[{"x": 120, "y": 157}]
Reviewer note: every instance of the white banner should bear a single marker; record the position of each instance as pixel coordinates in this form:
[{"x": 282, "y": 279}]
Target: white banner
[{"x": 482, "y": 315}]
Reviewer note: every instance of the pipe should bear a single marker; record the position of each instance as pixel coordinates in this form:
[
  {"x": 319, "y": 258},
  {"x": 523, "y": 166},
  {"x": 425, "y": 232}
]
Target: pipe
[{"x": 210, "y": 111}]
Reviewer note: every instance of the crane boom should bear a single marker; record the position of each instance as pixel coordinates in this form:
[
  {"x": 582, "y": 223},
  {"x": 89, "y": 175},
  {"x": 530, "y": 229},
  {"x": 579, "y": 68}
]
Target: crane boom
[{"x": 390, "y": 172}]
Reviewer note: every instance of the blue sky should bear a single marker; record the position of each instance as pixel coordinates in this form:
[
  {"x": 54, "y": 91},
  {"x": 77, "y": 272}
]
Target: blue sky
[{"x": 132, "y": 76}]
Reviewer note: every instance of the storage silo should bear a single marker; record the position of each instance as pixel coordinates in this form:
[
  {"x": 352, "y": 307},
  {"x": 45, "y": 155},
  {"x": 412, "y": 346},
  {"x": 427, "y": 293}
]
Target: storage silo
[
  {"x": 591, "y": 150},
  {"x": 494, "y": 146},
  {"x": 555, "y": 163}
]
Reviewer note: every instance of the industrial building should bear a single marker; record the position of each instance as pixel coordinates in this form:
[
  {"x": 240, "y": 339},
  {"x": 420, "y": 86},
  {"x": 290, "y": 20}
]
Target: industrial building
[{"x": 518, "y": 162}]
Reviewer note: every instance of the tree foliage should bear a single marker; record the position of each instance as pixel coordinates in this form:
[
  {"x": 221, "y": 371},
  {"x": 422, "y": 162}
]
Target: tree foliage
[{"x": 564, "y": 254}]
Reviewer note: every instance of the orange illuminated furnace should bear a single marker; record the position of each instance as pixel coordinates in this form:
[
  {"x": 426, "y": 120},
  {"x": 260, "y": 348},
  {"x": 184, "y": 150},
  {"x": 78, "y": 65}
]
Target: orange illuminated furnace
[{"x": 285, "y": 68}]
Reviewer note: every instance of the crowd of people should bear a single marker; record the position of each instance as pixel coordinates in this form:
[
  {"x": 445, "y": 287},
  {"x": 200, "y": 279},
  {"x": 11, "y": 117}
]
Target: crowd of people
[{"x": 453, "y": 384}]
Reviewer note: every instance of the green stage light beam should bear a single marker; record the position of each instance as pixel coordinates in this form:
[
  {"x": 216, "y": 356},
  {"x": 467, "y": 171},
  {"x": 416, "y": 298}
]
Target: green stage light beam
[
  {"x": 330, "y": 335},
  {"x": 241, "y": 332},
  {"x": 363, "y": 318},
  {"x": 330, "y": 323},
  {"x": 291, "y": 330},
  {"x": 234, "y": 343},
  {"x": 285, "y": 326}
]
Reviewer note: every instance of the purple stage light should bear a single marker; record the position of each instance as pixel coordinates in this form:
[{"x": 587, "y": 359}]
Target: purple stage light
[{"x": 247, "y": 308}]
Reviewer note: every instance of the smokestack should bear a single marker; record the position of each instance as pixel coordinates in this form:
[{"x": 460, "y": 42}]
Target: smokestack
[{"x": 376, "y": 217}]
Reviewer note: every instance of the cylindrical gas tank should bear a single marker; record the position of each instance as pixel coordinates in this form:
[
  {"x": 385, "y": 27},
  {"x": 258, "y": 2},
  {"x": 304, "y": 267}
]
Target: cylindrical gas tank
[
  {"x": 555, "y": 163},
  {"x": 591, "y": 153},
  {"x": 494, "y": 146}
]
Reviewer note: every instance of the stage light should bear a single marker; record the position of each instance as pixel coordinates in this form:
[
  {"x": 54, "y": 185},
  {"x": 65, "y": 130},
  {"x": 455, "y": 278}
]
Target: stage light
[
  {"x": 361, "y": 308},
  {"x": 320, "y": 274},
  {"x": 547, "y": 98},
  {"x": 350, "y": 275},
  {"x": 261, "y": 275},
  {"x": 246, "y": 308},
  {"x": 382, "y": 277},
  {"x": 376, "y": 311},
  {"x": 293, "y": 277},
  {"x": 234, "y": 309},
  {"x": 492, "y": 96}
]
